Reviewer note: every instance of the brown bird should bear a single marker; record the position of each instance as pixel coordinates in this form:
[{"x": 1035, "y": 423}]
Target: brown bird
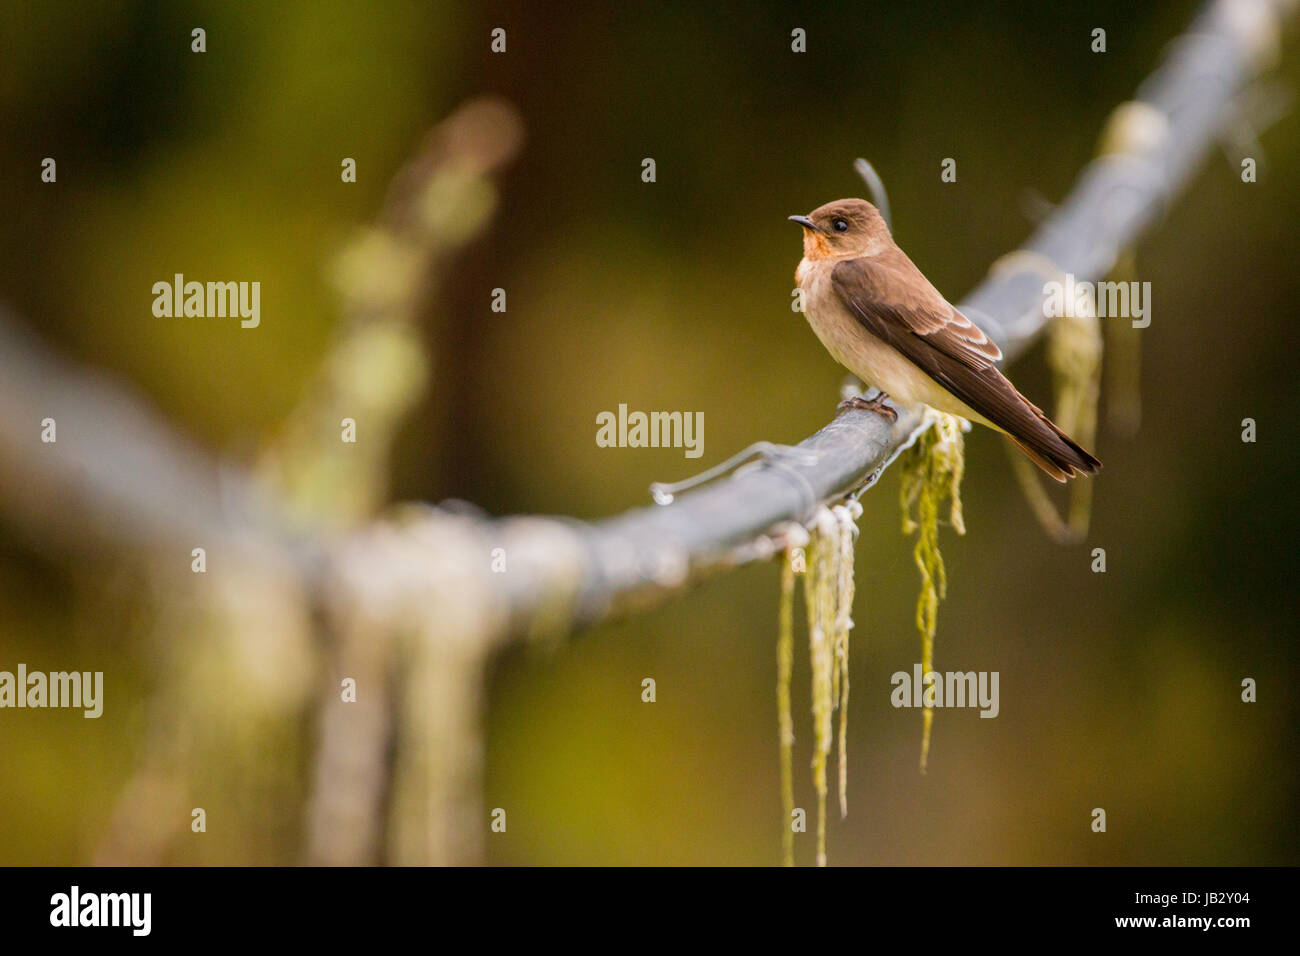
[{"x": 881, "y": 319}]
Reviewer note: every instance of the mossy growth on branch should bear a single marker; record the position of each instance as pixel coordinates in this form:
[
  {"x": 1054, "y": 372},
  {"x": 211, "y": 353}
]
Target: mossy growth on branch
[
  {"x": 931, "y": 477},
  {"x": 931, "y": 474},
  {"x": 827, "y": 566}
]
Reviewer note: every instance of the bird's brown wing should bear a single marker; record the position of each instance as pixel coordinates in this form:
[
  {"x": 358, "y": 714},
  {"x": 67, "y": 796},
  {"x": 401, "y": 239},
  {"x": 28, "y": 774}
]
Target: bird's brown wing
[
  {"x": 889, "y": 288},
  {"x": 894, "y": 302}
]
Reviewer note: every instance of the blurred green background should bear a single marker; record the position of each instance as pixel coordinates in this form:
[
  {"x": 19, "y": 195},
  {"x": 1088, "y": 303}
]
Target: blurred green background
[{"x": 1119, "y": 690}]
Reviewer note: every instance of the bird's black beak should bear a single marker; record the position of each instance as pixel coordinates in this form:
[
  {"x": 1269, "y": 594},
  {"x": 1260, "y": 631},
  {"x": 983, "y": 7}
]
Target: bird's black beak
[{"x": 805, "y": 222}]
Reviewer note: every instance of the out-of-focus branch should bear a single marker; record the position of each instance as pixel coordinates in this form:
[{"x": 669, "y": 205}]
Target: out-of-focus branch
[
  {"x": 377, "y": 367},
  {"x": 118, "y": 475},
  {"x": 116, "y": 471},
  {"x": 417, "y": 650}
]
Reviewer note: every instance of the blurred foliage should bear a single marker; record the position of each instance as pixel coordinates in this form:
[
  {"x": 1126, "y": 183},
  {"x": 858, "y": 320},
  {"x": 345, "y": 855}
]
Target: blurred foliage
[{"x": 1120, "y": 690}]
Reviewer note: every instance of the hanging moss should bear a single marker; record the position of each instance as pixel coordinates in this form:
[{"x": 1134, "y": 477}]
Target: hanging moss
[
  {"x": 845, "y": 517},
  {"x": 819, "y": 596},
  {"x": 828, "y": 595},
  {"x": 1074, "y": 353},
  {"x": 931, "y": 473},
  {"x": 785, "y": 722},
  {"x": 1074, "y": 350},
  {"x": 1124, "y": 361}
]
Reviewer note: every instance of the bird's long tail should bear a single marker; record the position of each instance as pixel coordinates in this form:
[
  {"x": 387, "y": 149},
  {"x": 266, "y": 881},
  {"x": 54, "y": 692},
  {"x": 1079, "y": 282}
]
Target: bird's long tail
[{"x": 1050, "y": 448}]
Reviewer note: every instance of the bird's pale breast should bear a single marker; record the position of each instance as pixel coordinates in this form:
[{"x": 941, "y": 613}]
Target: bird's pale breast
[{"x": 861, "y": 352}]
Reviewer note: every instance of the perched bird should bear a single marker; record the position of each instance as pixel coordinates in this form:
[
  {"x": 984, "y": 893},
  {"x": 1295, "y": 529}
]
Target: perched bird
[{"x": 881, "y": 319}]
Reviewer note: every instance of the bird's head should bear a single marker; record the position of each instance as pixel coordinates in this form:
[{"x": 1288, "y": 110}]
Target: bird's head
[{"x": 843, "y": 229}]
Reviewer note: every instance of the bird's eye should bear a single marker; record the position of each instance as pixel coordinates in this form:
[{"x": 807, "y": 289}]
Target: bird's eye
[{"x": 840, "y": 225}]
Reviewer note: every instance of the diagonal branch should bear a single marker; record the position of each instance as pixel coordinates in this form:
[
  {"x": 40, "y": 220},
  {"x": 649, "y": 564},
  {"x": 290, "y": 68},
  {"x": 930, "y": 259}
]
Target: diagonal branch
[
  {"x": 1152, "y": 145},
  {"x": 143, "y": 484}
]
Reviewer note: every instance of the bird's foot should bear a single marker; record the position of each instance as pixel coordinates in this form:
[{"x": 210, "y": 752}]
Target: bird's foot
[{"x": 876, "y": 404}]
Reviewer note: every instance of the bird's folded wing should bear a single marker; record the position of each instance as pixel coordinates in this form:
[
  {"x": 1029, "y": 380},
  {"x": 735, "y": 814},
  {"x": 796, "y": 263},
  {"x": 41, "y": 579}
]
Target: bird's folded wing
[{"x": 894, "y": 302}]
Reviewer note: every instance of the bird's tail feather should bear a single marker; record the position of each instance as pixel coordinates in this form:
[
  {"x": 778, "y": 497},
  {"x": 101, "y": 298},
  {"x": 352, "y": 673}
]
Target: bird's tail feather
[{"x": 1052, "y": 450}]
